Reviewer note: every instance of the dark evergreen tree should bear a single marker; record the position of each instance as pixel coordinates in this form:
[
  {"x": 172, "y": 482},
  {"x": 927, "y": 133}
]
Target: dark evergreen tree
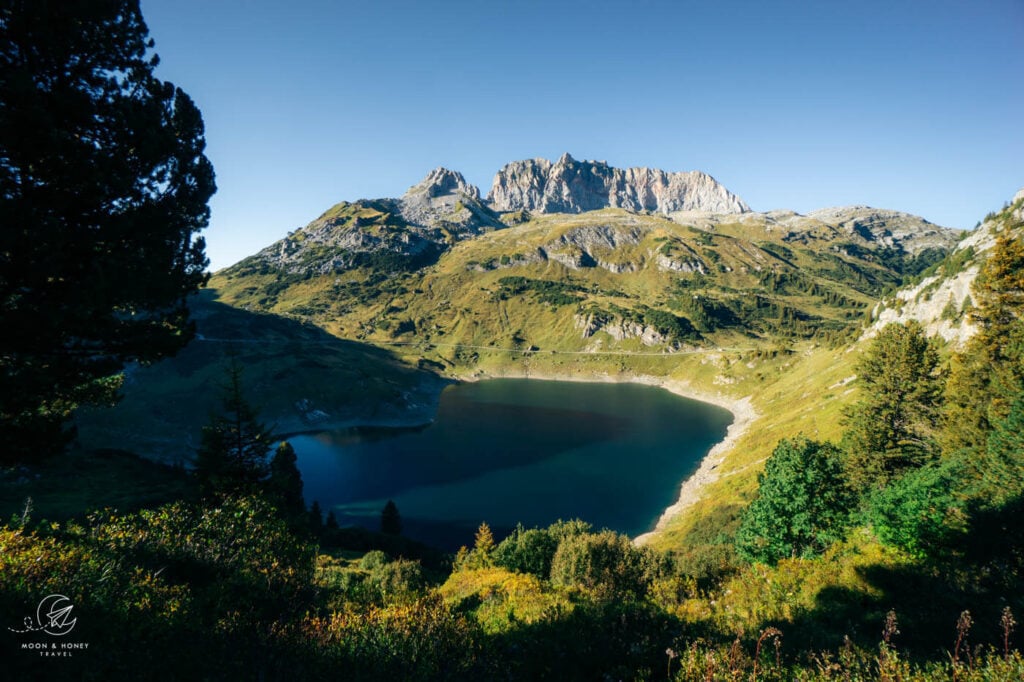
[
  {"x": 316, "y": 518},
  {"x": 103, "y": 188},
  {"x": 285, "y": 481},
  {"x": 233, "y": 454},
  {"x": 1002, "y": 464},
  {"x": 390, "y": 519},
  {"x": 332, "y": 521},
  {"x": 891, "y": 428},
  {"x": 803, "y": 503}
]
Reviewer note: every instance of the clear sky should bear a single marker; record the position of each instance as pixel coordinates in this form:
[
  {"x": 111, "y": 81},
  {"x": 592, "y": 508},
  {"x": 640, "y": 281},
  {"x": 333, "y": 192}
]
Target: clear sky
[{"x": 904, "y": 104}]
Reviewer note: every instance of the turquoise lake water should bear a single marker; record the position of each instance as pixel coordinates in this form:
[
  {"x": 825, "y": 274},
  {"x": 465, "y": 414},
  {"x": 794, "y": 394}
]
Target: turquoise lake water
[{"x": 516, "y": 450}]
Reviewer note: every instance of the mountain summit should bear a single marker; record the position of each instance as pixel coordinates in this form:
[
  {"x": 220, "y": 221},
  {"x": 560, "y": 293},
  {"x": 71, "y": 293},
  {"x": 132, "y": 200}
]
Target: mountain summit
[{"x": 571, "y": 186}]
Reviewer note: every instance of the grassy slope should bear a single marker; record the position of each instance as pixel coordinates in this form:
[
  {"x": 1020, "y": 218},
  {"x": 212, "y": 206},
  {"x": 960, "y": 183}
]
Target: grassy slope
[{"x": 81, "y": 481}]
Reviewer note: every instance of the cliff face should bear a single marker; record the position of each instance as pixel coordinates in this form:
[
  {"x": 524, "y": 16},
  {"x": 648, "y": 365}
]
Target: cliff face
[
  {"x": 571, "y": 186},
  {"x": 894, "y": 229},
  {"x": 941, "y": 302}
]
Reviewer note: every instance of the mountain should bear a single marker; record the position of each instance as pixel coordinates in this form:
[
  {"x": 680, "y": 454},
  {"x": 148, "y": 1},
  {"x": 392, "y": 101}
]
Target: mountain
[
  {"x": 392, "y": 234},
  {"x": 940, "y": 297},
  {"x": 599, "y": 280},
  {"x": 454, "y": 285},
  {"x": 571, "y": 186}
]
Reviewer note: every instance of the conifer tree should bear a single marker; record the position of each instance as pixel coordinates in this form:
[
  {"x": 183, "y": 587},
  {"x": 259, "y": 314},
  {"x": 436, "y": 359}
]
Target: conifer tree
[
  {"x": 1003, "y": 462},
  {"x": 483, "y": 547},
  {"x": 233, "y": 453},
  {"x": 390, "y": 519},
  {"x": 285, "y": 481},
  {"x": 316, "y": 518},
  {"x": 103, "y": 189},
  {"x": 892, "y": 427},
  {"x": 989, "y": 373}
]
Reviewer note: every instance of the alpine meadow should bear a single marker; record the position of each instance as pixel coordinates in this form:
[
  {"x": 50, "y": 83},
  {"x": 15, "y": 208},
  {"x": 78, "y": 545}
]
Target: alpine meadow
[{"x": 313, "y": 464}]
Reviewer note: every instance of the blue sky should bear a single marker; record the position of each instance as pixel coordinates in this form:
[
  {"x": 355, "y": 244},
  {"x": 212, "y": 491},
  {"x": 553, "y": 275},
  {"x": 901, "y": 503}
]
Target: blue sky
[{"x": 903, "y": 104}]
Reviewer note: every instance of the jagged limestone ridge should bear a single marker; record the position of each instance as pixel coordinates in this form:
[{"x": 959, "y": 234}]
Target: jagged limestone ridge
[{"x": 571, "y": 186}]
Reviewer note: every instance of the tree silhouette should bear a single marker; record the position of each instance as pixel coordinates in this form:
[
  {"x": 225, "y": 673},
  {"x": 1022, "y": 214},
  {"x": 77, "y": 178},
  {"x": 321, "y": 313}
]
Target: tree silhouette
[
  {"x": 233, "y": 454},
  {"x": 390, "y": 519},
  {"x": 316, "y": 518},
  {"x": 285, "y": 482},
  {"x": 103, "y": 187}
]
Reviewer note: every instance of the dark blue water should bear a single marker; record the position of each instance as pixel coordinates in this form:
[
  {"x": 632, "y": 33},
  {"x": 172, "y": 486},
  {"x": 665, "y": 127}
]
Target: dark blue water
[{"x": 509, "y": 451}]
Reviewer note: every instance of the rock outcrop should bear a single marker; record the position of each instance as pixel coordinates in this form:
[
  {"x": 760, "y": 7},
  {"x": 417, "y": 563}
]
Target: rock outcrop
[
  {"x": 571, "y": 186},
  {"x": 941, "y": 302},
  {"x": 895, "y": 229},
  {"x": 393, "y": 233},
  {"x": 445, "y": 200}
]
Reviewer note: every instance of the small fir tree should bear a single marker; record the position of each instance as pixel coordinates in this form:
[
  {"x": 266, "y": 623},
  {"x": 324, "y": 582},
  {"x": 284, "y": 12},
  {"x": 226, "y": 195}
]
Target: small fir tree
[
  {"x": 316, "y": 518},
  {"x": 285, "y": 481},
  {"x": 390, "y": 519},
  {"x": 891, "y": 428},
  {"x": 483, "y": 547},
  {"x": 232, "y": 456}
]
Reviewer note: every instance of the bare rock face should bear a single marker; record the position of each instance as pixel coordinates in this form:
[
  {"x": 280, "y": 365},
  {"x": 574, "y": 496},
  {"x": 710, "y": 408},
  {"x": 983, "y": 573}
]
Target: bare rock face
[
  {"x": 940, "y": 303},
  {"x": 571, "y": 186},
  {"x": 909, "y": 233},
  {"x": 445, "y": 199}
]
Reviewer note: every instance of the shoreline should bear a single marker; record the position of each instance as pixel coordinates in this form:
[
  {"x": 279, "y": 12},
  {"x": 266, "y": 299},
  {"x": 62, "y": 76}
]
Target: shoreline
[{"x": 690, "y": 492}]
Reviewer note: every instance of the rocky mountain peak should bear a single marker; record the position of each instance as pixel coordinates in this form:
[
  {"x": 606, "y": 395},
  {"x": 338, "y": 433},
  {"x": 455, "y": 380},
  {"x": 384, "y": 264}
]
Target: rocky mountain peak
[
  {"x": 571, "y": 186},
  {"x": 442, "y": 182}
]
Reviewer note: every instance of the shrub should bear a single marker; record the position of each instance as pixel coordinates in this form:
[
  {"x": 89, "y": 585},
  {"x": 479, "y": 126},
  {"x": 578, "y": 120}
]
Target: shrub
[
  {"x": 920, "y": 512},
  {"x": 606, "y": 563},
  {"x": 802, "y": 506},
  {"x": 527, "y": 551}
]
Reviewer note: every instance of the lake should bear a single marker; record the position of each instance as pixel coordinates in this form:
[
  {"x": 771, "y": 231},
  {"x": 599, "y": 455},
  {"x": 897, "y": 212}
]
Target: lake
[{"x": 509, "y": 451}]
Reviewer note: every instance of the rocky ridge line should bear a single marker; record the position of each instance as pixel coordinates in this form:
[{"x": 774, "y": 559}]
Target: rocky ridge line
[{"x": 571, "y": 186}]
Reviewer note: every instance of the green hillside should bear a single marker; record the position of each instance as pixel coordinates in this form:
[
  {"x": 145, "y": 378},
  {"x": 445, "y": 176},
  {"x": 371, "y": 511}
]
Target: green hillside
[{"x": 559, "y": 283}]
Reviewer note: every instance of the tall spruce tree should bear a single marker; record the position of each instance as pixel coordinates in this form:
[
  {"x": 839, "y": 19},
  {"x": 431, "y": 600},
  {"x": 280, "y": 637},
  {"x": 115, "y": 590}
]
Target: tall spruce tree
[
  {"x": 233, "y": 453},
  {"x": 1003, "y": 460},
  {"x": 103, "y": 188},
  {"x": 891, "y": 428},
  {"x": 989, "y": 373}
]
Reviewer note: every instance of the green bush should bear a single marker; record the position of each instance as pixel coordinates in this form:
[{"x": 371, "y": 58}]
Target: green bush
[
  {"x": 802, "y": 506},
  {"x": 527, "y": 551},
  {"x": 921, "y": 511},
  {"x": 400, "y": 580},
  {"x": 606, "y": 563}
]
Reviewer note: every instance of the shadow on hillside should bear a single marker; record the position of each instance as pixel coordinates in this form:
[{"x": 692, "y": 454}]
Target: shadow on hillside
[
  {"x": 982, "y": 572},
  {"x": 299, "y": 377}
]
